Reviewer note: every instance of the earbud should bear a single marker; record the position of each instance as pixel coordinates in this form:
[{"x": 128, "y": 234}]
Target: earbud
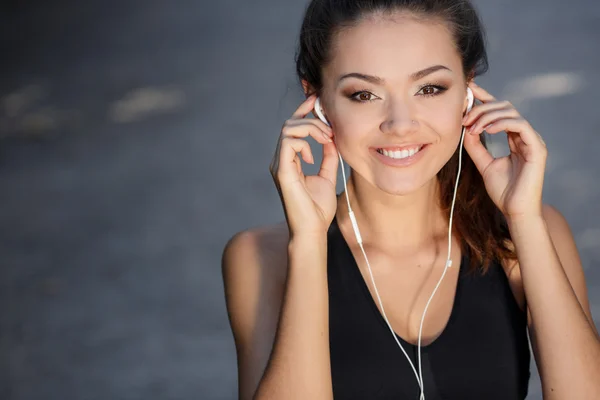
[
  {"x": 470, "y": 99},
  {"x": 319, "y": 111}
]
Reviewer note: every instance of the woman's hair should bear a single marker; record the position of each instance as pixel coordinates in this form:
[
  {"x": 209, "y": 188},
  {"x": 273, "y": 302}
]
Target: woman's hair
[{"x": 481, "y": 227}]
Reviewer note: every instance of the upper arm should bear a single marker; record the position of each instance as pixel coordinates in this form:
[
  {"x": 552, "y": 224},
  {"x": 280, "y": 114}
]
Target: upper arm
[
  {"x": 566, "y": 249},
  {"x": 253, "y": 293}
]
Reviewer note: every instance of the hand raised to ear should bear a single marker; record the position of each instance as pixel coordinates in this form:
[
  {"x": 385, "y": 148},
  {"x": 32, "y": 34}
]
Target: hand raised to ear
[
  {"x": 309, "y": 202},
  {"x": 513, "y": 182}
]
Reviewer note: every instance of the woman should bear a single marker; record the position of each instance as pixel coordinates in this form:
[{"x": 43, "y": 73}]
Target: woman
[{"x": 317, "y": 313}]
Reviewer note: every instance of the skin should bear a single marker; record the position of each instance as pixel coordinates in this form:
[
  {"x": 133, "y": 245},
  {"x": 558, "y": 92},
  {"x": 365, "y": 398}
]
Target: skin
[
  {"x": 272, "y": 318},
  {"x": 400, "y": 199}
]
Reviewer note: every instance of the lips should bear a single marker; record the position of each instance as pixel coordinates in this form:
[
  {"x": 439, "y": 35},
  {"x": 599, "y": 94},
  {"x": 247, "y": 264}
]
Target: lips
[{"x": 400, "y": 147}]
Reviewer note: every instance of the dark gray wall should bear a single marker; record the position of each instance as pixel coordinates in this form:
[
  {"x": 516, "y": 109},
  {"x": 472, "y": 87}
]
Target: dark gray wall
[{"x": 136, "y": 139}]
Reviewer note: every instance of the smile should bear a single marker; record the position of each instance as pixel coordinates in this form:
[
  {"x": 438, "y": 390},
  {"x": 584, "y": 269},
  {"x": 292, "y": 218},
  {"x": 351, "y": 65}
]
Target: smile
[
  {"x": 400, "y": 154},
  {"x": 400, "y": 157}
]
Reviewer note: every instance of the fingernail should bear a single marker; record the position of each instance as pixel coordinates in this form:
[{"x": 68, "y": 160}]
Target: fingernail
[{"x": 326, "y": 137}]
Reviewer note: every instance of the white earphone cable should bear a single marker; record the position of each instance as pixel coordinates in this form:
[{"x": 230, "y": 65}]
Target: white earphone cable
[
  {"x": 448, "y": 260},
  {"x": 359, "y": 240},
  {"x": 419, "y": 375}
]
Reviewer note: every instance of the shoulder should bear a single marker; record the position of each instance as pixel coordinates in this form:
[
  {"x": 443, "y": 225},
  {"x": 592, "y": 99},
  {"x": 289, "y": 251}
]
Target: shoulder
[
  {"x": 563, "y": 241},
  {"x": 559, "y": 231},
  {"x": 254, "y": 267},
  {"x": 556, "y": 222},
  {"x": 256, "y": 257},
  {"x": 261, "y": 247},
  {"x": 568, "y": 255},
  {"x": 566, "y": 249},
  {"x": 565, "y": 246}
]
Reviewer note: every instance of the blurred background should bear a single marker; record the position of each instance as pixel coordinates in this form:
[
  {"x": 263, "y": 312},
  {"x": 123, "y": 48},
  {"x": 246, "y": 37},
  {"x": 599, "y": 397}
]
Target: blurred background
[{"x": 135, "y": 140}]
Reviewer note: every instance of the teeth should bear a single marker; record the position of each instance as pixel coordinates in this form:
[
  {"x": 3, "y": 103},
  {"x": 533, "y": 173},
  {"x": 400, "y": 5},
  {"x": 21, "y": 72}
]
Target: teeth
[{"x": 400, "y": 154}]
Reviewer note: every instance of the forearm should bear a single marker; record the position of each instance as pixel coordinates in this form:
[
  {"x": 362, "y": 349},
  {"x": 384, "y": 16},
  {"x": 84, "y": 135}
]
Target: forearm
[
  {"x": 567, "y": 343},
  {"x": 299, "y": 366}
]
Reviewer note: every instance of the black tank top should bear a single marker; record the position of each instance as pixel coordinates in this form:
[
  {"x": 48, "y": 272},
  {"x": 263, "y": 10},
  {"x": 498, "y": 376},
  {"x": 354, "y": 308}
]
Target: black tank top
[{"x": 482, "y": 354}]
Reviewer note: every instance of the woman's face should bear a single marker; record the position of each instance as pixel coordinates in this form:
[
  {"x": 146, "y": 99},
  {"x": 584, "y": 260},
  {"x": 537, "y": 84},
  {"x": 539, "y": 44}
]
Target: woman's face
[{"x": 415, "y": 99}]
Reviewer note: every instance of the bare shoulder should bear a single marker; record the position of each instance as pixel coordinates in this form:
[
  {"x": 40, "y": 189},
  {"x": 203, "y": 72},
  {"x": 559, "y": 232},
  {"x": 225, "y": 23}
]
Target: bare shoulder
[
  {"x": 566, "y": 249},
  {"x": 254, "y": 267},
  {"x": 255, "y": 260},
  {"x": 556, "y": 226},
  {"x": 261, "y": 249},
  {"x": 568, "y": 254}
]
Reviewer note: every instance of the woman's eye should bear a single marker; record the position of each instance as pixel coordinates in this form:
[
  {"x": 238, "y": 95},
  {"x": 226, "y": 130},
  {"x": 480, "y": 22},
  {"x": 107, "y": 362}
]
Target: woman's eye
[
  {"x": 431, "y": 90},
  {"x": 362, "y": 97}
]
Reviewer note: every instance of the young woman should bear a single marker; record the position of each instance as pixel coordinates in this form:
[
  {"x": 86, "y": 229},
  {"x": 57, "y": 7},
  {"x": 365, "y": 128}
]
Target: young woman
[{"x": 433, "y": 297}]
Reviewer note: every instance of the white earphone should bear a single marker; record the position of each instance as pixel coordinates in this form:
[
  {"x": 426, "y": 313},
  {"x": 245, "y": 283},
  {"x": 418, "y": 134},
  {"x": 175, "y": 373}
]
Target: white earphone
[
  {"x": 470, "y": 99},
  {"x": 419, "y": 375}
]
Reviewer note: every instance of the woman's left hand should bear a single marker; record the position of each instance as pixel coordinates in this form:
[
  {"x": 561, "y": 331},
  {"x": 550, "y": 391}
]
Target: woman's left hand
[{"x": 514, "y": 182}]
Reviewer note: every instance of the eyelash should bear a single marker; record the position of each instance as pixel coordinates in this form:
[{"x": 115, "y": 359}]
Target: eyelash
[{"x": 440, "y": 89}]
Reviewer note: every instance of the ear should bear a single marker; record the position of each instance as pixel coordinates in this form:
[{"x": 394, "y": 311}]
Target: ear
[{"x": 307, "y": 88}]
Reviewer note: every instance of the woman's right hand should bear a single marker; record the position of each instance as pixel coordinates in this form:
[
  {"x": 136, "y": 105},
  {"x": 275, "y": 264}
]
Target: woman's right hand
[{"x": 309, "y": 202}]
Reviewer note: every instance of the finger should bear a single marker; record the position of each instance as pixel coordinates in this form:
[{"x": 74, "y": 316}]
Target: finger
[
  {"x": 289, "y": 148},
  {"x": 488, "y": 118},
  {"x": 317, "y": 122},
  {"x": 480, "y": 93},
  {"x": 483, "y": 108},
  {"x": 512, "y": 145},
  {"x": 329, "y": 165},
  {"x": 275, "y": 159},
  {"x": 479, "y": 154},
  {"x": 304, "y": 127},
  {"x": 517, "y": 125},
  {"x": 526, "y": 141},
  {"x": 305, "y": 108}
]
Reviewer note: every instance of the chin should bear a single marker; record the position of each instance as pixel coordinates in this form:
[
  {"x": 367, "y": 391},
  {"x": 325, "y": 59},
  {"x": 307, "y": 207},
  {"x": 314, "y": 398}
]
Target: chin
[{"x": 399, "y": 187}]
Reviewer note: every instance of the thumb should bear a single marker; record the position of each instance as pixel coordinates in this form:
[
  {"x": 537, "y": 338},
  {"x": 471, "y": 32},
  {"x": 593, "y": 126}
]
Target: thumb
[
  {"x": 329, "y": 165},
  {"x": 479, "y": 154}
]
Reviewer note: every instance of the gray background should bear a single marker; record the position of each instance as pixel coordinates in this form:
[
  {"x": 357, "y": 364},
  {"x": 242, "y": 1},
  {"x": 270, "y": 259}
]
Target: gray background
[{"x": 135, "y": 141}]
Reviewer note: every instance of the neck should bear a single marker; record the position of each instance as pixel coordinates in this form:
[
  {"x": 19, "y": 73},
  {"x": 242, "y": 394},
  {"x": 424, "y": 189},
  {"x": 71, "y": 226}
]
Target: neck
[{"x": 394, "y": 221}]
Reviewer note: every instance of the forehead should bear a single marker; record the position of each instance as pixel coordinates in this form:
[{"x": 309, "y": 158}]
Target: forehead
[{"x": 392, "y": 47}]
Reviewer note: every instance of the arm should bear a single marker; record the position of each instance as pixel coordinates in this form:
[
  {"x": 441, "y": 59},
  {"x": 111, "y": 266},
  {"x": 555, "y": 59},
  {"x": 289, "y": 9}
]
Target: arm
[
  {"x": 282, "y": 341},
  {"x": 564, "y": 339}
]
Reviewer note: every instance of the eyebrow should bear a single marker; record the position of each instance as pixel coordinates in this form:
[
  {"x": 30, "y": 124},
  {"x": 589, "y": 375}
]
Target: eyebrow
[{"x": 379, "y": 81}]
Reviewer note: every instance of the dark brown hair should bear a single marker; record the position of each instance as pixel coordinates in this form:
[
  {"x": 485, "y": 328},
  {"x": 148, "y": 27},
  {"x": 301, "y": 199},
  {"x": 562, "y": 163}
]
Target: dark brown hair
[{"x": 481, "y": 227}]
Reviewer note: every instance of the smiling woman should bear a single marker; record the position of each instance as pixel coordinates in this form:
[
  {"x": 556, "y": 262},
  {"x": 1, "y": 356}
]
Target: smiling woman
[{"x": 321, "y": 311}]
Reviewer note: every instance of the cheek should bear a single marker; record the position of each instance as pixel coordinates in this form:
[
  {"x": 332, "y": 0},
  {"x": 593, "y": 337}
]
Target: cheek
[
  {"x": 354, "y": 128},
  {"x": 446, "y": 121}
]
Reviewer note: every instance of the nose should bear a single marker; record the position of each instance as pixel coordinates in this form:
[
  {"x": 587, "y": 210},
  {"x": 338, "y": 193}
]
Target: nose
[{"x": 399, "y": 118}]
